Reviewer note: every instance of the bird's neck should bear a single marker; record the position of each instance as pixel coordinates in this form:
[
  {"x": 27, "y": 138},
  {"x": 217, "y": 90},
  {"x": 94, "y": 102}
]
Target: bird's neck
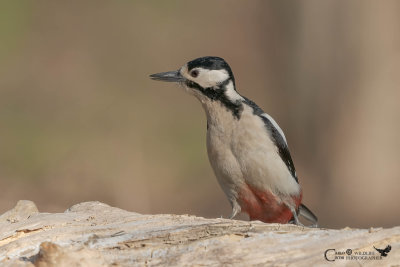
[{"x": 221, "y": 100}]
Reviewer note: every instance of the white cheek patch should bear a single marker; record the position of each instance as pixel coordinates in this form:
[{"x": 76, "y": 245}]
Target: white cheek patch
[{"x": 210, "y": 78}]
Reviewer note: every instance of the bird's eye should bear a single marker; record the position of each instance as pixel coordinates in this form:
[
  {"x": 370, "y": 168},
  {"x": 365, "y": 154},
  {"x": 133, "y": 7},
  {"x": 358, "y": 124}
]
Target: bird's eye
[{"x": 194, "y": 73}]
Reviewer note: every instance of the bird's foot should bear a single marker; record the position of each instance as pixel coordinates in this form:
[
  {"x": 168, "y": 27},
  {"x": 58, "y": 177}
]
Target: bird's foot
[
  {"x": 235, "y": 210},
  {"x": 295, "y": 219}
]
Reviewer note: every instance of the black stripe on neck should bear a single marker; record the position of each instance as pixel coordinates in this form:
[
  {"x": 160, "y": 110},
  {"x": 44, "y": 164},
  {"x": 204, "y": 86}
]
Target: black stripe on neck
[{"x": 218, "y": 94}]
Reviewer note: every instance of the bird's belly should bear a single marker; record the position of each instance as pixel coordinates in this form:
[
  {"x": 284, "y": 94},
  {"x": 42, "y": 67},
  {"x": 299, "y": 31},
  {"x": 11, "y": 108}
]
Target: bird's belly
[
  {"x": 259, "y": 160},
  {"x": 225, "y": 166},
  {"x": 250, "y": 189},
  {"x": 262, "y": 168},
  {"x": 248, "y": 167}
]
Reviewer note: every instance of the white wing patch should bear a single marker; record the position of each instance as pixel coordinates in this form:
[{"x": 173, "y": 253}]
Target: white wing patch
[{"x": 275, "y": 125}]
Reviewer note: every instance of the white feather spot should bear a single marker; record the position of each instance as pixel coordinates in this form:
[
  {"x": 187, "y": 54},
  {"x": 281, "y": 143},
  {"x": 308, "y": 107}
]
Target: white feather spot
[{"x": 231, "y": 93}]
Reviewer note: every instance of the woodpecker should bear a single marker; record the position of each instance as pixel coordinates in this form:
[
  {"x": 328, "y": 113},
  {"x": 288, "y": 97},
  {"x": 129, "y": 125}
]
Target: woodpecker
[{"x": 247, "y": 149}]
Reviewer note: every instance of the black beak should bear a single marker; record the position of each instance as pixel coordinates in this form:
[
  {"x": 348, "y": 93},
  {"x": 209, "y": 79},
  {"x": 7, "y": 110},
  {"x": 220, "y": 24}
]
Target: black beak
[{"x": 169, "y": 76}]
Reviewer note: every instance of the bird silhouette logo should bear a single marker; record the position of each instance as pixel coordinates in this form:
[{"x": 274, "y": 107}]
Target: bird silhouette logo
[{"x": 384, "y": 251}]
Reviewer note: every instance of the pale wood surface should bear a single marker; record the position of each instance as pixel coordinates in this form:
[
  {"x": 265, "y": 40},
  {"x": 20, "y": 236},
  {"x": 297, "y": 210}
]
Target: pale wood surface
[{"x": 95, "y": 234}]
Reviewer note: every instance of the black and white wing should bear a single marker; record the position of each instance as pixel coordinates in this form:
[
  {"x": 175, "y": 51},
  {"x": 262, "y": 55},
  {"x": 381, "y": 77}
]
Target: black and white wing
[
  {"x": 280, "y": 141},
  {"x": 277, "y": 136}
]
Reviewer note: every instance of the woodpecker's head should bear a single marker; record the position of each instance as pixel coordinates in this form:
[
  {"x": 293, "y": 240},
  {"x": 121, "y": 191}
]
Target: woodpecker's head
[{"x": 205, "y": 77}]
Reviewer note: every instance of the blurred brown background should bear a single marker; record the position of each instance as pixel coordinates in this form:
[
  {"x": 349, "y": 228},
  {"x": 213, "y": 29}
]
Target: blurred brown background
[{"x": 80, "y": 120}]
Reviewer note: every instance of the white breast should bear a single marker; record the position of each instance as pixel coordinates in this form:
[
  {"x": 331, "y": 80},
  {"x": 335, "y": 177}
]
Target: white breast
[
  {"x": 221, "y": 126},
  {"x": 241, "y": 151}
]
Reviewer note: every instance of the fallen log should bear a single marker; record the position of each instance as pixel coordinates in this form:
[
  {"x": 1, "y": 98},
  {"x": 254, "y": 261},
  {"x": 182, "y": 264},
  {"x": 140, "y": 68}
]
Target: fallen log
[{"x": 95, "y": 234}]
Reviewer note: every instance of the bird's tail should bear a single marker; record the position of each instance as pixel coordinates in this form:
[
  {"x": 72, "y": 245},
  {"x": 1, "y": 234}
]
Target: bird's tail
[{"x": 308, "y": 214}]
